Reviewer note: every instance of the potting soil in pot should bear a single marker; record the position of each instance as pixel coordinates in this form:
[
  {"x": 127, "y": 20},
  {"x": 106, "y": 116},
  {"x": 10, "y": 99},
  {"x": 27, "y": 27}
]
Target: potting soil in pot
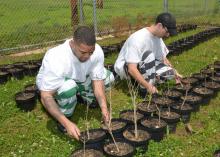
[
  {"x": 25, "y": 100},
  {"x": 117, "y": 126},
  {"x": 155, "y": 127},
  {"x": 87, "y": 153},
  {"x": 125, "y": 149},
  {"x": 128, "y": 115},
  {"x": 146, "y": 108}
]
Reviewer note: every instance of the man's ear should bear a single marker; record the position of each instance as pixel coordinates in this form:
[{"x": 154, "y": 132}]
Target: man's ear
[{"x": 159, "y": 25}]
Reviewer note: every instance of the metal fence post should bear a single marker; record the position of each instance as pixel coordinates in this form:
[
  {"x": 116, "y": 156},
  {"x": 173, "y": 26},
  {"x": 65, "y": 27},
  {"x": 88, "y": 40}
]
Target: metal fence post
[
  {"x": 205, "y": 6},
  {"x": 81, "y": 12},
  {"x": 94, "y": 17},
  {"x": 165, "y": 5},
  {"x": 74, "y": 12}
]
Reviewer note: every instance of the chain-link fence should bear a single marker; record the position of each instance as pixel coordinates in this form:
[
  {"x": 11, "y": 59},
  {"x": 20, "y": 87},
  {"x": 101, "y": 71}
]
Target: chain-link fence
[{"x": 31, "y": 24}]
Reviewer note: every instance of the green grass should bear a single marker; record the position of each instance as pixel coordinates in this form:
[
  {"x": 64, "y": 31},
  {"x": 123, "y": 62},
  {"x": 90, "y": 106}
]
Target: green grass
[
  {"x": 34, "y": 133},
  {"x": 26, "y": 22}
]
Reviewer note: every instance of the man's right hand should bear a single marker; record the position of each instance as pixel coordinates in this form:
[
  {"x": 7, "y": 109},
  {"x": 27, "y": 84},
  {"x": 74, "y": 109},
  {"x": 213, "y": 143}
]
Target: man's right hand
[
  {"x": 152, "y": 89},
  {"x": 73, "y": 130}
]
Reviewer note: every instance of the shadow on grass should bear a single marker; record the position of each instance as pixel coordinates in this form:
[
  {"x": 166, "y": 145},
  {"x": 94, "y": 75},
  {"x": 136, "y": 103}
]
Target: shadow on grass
[{"x": 122, "y": 85}]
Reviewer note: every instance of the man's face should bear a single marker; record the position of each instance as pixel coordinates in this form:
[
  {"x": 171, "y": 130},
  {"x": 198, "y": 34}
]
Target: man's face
[
  {"x": 83, "y": 51},
  {"x": 166, "y": 34},
  {"x": 163, "y": 31}
]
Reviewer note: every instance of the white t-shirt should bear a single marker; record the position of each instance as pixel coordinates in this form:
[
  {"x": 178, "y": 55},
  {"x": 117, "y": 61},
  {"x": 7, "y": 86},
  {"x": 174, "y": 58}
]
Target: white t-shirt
[
  {"x": 60, "y": 63},
  {"x": 135, "y": 46}
]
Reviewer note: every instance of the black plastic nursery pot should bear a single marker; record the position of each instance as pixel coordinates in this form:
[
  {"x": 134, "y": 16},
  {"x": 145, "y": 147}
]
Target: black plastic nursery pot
[
  {"x": 216, "y": 153},
  {"x": 217, "y": 74},
  {"x": 31, "y": 69},
  {"x": 16, "y": 73},
  {"x": 38, "y": 63},
  {"x": 217, "y": 62},
  {"x": 194, "y": 100},
  {"x": 182, "y": 88},
  {"x": 163, "y": 102},
  {"x": 20, "y": 64},
  {"x": 147, "y": 109},
  {"x": 184, "y": 110},
  {"x": 128, "y": 116},
  {"x": 206, "y": 71},
  {"x": 171, "y": 118},
  {"x": 113, "y": 48},
  {"x": 4, "y": 77},
  {"x": 142, "y": 139},
  {"x": 117, "y": 127},
  {"x": 125, "y": 149},
  {"x": 190, "y": 80},
  {"x": 173, "y": 94},
  {"x": 7, "y": 67},
  {"x": 212, "y": 85},
  {"x": 26, "y": 101},
  {"x": 215, "y": 79},
  {"x": 217, "y": 67},
  {"x": 204, "y": 92},
  {"x": 94, "y": 138},
  {"x": 199, "y": 76},
  {"x": 156, "y": 128},
  {"x": 88, "y": 152},
  {"x": 32, "y": 88}
]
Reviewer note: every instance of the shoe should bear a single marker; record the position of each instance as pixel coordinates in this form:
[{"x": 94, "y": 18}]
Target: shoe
[
  {"x": 80, "y": 99},
  {"x": 142, "y": 93},
  {"x": 94, "y": 104},
  {"x": 61, "y": 128}
]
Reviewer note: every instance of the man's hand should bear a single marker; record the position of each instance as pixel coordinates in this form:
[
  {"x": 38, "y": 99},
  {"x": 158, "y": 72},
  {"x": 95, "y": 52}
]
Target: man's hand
[
  {"x": 73, "y": 130},
  {"x": 152, "y": 89},
  {"x": 52, "y": 107},
  {"x": 178, "y": 77}
]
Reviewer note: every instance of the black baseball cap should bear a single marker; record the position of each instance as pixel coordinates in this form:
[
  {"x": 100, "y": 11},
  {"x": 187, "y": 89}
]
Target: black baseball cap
[{"x": 168, "y": 21}]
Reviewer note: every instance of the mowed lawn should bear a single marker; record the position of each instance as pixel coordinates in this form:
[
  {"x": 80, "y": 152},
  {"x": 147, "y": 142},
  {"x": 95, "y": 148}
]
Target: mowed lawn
[
  {"x": 35, "y": 134},
  {"x": 27, "y": 22}
]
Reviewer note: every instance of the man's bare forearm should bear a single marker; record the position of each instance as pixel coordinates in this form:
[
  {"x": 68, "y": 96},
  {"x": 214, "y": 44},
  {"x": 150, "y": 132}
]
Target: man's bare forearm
[
  {"x": 52, "y": 107},
  {"x": 99, "y": 92}
]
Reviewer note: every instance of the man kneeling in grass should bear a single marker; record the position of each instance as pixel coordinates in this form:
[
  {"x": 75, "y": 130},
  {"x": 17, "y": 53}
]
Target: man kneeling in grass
[
  {"x": 143, "y": 55},
  {"x": 75, "y": 67}
]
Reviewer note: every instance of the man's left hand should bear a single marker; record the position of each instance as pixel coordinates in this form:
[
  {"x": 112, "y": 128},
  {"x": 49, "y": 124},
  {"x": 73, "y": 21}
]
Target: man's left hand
[{"x": 178, "y": 77}]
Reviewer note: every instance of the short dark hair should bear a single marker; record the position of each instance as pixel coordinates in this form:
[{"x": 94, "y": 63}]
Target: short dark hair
[{"x": 85, "y": 35}]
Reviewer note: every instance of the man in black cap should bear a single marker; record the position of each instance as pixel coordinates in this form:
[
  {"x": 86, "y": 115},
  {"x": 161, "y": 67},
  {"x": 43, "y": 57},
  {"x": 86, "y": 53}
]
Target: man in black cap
[{"x": 143, "y": 55}]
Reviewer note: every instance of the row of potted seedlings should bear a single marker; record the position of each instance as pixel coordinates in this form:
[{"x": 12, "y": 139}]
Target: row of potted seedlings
[
  {"x": 152, "y": 117},
  {"x": 181, "y": 45},
  {"x": 19, "y": 70},
  {"x": 26, "y": 100},
  {"x": 186, "y": 27}
]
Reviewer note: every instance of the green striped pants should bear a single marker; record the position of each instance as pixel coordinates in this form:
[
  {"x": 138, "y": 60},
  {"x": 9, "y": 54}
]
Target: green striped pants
[{"x": 66, "y": 94}]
